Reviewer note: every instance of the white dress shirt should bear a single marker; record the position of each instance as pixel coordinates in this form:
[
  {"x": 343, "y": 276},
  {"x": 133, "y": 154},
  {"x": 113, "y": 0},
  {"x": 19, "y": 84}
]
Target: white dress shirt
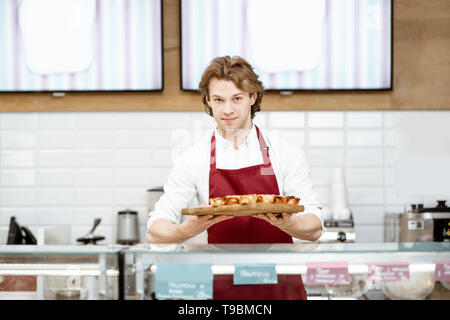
[{"x": 189, "y": 178}]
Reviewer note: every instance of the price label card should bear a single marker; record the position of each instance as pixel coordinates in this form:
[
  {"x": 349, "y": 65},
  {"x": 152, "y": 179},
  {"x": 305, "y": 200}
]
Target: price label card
[
  {"x": 255, "y": 274},
  {"x": 442, "y": 271},
  {"x": 183, "y": 281},
  {"x": 388, "y": 271},
  {"x": 327, "y": 273}
]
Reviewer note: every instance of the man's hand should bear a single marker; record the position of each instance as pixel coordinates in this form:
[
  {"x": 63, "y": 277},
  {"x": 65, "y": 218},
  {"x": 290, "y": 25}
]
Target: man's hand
[
  {"x": 283, "y": 221},
  {"x": 197, "y": 224},
  {"x": 307, "y": 226},
  {"x": 165, "y": 231}
]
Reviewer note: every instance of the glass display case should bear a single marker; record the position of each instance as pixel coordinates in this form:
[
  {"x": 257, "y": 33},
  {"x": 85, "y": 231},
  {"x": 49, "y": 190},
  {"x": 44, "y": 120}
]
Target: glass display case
[
  {"x": 59, "y": 272},
  {"x": 372, "y": 271},
  {"x": 363, "y": 271}
]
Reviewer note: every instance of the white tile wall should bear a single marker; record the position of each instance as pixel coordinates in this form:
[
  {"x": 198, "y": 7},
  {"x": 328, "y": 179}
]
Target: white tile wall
[
  {"x": 17, "y": 177},
  {"x": 295, "y": 136},
  {"x": 364, "y": 176},
  {"x": 284, "y": 119},
  {"x": 327, "y": 157},
  {"x": 26, "y": 215},
  {"x": 367, "y": 119},
  {"x": 54, "y": 177},
  {"x": 326, "y": 138},
  {"x": 326, "y": 119},
  {"x": 365, "y": 138},
  {"x": 364, "y": 157},
  {"x": 67, "y": 168}
]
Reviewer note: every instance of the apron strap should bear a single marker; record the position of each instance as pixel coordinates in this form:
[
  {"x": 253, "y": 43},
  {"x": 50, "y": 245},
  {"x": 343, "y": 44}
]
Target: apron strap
[
  {"x": 212, "y": 160},
  {"x": 263, "y": 146}
]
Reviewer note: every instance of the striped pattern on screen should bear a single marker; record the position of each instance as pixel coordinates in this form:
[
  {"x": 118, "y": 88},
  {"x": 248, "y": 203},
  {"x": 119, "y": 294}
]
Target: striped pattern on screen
[
  {"x": 126, "y": 45},
  {"x": 356, "y": 53}
]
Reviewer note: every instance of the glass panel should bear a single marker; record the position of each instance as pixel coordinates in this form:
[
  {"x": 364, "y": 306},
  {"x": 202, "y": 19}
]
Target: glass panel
[
  {"x": 93, "y": 272},
  {"x": 59, "y": 272},
  {"x": 296, "y": 247},
  {"x": 420, "y": 260}
]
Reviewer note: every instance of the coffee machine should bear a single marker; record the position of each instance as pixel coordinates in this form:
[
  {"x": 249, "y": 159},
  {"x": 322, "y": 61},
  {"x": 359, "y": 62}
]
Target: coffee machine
[{"x": 419, "y": 224}]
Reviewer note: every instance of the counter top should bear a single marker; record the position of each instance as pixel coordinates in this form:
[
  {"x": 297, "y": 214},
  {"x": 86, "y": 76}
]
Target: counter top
[{"x": 319, "y": 248}]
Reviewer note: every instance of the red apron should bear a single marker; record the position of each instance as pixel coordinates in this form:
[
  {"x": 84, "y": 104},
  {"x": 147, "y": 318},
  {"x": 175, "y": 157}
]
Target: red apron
[{"x": 254, "y": 179}]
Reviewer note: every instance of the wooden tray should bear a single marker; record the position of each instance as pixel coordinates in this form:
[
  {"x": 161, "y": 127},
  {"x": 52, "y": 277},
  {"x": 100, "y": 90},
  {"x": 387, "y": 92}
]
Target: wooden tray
[{"x": 243, "y": 209}]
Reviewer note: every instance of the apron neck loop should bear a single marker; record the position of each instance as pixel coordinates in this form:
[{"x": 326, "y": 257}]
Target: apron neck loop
[{"x": 262, "y": 144}]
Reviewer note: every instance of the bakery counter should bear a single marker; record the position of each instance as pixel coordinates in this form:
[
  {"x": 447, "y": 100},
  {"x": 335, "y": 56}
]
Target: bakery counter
[
  {"x": 59, "y": 272},
  {"x": 370, "y": 271},
  {"x": 373, "y": 271}
]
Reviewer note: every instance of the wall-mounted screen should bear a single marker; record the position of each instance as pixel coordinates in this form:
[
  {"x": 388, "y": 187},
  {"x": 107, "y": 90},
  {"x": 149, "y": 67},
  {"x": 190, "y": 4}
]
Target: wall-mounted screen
[
  {"x": 80, "y": 45},
  {"x": 292, "y": 44}
]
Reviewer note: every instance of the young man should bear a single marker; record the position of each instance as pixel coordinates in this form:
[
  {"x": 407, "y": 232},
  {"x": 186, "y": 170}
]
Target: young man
[{"x": 238, "y": 158}]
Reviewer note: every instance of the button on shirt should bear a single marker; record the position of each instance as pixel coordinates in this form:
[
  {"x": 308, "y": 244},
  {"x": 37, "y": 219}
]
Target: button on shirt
[{"x": 189, "y": 178}]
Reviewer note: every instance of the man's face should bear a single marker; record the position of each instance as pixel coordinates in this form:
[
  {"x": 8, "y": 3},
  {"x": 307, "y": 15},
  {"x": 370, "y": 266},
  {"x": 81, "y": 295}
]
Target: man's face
[{"x": 230, "y": 105}]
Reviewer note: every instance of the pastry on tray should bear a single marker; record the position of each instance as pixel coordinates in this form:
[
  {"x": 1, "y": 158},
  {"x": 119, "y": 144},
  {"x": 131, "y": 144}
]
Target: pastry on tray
[
  {"x": 247, "y": 205},
  {"x": 253, "y": 198}
]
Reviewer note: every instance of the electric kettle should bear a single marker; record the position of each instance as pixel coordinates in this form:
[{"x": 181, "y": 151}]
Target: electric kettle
[{"x": 127, "y": 227}]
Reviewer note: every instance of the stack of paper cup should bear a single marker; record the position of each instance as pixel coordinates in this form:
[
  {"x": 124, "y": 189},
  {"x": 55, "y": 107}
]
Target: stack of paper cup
[{"x": 339, "y": 207}]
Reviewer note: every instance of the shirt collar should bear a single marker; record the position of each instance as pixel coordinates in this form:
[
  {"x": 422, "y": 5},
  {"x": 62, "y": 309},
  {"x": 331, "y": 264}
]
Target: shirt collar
[{"x": 224, "y": 142}]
